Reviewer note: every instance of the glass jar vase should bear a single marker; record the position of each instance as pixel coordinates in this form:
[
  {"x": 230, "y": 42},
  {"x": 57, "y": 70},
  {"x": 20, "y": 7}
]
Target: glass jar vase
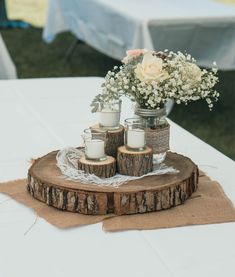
[{"x": 157, "y": 131}]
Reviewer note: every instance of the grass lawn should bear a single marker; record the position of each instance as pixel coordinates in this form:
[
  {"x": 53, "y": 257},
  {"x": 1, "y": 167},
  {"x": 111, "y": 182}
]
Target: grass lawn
[{"x": 35, "y": 59}]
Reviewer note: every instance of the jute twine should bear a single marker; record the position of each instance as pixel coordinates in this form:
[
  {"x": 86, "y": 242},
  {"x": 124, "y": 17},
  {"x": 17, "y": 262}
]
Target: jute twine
[{"x": 158, "y": 139}]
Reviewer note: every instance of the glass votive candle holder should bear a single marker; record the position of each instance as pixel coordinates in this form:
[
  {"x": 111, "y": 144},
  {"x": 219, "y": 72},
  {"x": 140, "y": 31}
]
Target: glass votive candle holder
[
  {"x": 134, "y": 134},
  {"x": 94, "y": 142},
  {"x": 110, "y": 115}
]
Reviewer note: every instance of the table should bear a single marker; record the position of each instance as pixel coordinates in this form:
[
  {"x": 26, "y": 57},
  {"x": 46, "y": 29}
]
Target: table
[
  {"x": 204, "y": 28},
  {"x": 39, "y": 115},
  {"x": 7, "y": 68}
]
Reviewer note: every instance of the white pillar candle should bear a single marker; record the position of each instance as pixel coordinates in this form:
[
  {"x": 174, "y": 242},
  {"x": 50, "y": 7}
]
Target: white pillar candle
[
  {"x": 109, "y": 118},
  {"x": 95, "y": 149},
  {"x": 136, "y": 138}
]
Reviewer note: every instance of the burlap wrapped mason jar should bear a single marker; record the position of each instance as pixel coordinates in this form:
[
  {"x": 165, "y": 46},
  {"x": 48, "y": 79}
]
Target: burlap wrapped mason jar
[{"x": 157, "y": 131}]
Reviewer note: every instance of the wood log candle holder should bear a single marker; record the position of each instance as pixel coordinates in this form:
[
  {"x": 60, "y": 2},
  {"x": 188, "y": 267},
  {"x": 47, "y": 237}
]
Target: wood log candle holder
[
  {"x": 115, "y": 138},
  {"x": 102, "y": 169},
  {"x": 134, "y": 163}
]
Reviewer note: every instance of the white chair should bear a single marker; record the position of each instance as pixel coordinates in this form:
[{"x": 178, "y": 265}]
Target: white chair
[{"x": 7, "y": 67}]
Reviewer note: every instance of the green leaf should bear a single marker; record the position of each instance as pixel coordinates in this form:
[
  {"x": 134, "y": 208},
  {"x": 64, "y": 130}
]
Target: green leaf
[{"x": 95, "y": 107}]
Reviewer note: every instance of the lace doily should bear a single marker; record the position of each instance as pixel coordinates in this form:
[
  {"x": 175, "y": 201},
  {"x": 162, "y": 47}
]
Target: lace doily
[{"x": 67, "y": 160}]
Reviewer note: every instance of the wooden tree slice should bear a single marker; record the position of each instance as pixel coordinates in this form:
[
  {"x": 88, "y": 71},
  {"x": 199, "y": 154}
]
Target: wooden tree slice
[
  {"x": 102, "y": 169},
  {"x": 115, "y": 138},
  {"x": 134, "y": 163},
  {"x": 148, "y": 194}
]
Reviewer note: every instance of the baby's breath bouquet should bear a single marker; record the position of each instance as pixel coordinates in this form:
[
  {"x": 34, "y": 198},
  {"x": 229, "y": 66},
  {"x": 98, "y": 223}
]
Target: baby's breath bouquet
[{"x": 152, "y": 78}]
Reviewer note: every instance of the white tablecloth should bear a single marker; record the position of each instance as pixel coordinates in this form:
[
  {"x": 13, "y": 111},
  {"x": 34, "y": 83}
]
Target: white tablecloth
[
  {"x": 7, "y": 67},
  {"x": 37, "y": 116},
  {"x": 204, "y": 28}
]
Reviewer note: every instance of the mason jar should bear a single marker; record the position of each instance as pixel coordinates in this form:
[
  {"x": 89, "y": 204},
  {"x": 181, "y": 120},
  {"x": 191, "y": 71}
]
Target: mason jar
[{"x": 157, "y": 131}]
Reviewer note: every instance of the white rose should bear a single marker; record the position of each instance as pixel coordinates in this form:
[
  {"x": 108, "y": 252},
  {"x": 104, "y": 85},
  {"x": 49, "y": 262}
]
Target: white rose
[
  {"x": 151, "y": 69},
  {"x": 191, "y": 72}
]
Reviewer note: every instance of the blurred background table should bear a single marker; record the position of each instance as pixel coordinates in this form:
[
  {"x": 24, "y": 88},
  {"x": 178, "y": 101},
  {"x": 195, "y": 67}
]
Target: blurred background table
[
  {"x": 204, "y": 28},
  {"x": 41, "y": 115}
]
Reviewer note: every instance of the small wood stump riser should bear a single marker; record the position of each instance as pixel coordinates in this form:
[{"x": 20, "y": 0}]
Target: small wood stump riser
[
  {"x": 115, "y": 138},
  {"x": 154, "y": 193},
  {"x": 134, "y": 163},
  {"x": 102, "y": 169}
]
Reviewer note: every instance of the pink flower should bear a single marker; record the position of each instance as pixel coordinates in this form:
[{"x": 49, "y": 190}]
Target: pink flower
[
  {"x": 132, "y": 54},
  {"x": 135, "y": 52}
]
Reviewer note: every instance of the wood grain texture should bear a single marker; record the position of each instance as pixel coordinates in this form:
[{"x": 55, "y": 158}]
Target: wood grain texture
[
  {"x": 134, "y": 163},
  {"x": 115, "y": 138},
  {"x": 102, "y": 169},
  {"x": 149, "y": 194}
]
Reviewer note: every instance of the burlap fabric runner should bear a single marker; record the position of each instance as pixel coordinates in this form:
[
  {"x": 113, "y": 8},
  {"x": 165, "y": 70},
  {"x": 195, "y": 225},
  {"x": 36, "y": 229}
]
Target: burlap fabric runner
[{"x": 206, "y": 206}]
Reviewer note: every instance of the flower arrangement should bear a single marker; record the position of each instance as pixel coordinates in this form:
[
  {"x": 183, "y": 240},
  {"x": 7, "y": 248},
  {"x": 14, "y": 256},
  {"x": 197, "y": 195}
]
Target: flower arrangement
[{"x": 152, "y": 78}]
